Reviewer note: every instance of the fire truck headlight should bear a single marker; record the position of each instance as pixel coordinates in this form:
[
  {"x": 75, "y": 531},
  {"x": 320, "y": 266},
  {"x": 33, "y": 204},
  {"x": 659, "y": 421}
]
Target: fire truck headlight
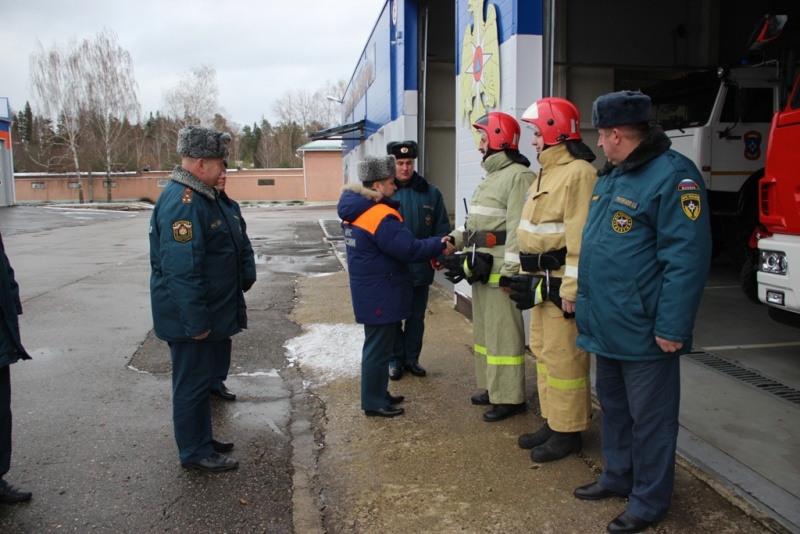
[{"x": 773, "y": 262}]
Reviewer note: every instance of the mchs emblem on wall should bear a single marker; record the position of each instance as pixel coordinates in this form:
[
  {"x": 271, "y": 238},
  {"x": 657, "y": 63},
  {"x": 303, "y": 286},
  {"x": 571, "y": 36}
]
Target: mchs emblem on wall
[{"x": 480, "y": 65}]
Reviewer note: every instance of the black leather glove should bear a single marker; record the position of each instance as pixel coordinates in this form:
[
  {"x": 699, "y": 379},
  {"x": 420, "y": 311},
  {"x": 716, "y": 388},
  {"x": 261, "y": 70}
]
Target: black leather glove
[
  {"x": 247, "y": 283},
  {"x": 478, "y": 267},
  {"x": 530, "y": 290},
  {"x": 454, "y": 265}
]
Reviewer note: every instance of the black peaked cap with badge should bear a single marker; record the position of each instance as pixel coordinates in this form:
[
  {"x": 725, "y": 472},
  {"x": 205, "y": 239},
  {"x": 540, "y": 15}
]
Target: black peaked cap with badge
[{"x": 402, "y": 149}]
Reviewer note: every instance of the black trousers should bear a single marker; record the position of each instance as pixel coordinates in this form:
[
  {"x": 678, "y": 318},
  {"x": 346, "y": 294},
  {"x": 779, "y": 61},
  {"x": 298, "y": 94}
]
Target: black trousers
[{"x": 5, "y": 420}]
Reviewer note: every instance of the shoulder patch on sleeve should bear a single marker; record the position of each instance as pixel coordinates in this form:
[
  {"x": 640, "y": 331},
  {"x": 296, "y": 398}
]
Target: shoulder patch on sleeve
[
  {"x": 188, "y": 193},
  {"x": 687, "y": 184},
  {"x": 690, "y": 202},
  {"x": 182, "y": 231}
]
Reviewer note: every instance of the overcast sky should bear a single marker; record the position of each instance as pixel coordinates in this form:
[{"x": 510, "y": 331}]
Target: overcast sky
[{"x": 260, "y": 48}]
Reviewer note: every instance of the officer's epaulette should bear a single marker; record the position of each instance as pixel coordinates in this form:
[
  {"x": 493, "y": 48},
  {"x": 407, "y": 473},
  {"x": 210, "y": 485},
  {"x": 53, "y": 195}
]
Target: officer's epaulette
[{"x": 188, "y": 193}]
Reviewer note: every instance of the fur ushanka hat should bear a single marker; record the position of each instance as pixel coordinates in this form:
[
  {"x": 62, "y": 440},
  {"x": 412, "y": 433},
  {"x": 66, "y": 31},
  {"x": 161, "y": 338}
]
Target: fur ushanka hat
[
  {"x": 197, "y": 142},
  {"x": 376, "y": 168},
  {"x": 620, "y": 108}
]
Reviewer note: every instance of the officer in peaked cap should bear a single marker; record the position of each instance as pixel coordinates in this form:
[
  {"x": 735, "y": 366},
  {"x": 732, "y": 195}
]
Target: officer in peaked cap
[{"x": 424, "y": 213}]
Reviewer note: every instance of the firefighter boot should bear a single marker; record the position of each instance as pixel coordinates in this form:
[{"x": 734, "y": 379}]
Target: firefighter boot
[
  {"x": 529, "y": 441},
  {"x": 559, "y": 445}
]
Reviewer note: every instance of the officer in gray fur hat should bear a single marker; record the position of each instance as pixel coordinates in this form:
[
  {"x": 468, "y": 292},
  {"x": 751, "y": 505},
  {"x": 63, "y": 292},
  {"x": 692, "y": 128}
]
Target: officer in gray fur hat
[
  {"x": 644, "y": 261},
  {"x": 197, "y": 305},
  {"x": 424, "y": 213},
  {"x": 379, "y": 248}
]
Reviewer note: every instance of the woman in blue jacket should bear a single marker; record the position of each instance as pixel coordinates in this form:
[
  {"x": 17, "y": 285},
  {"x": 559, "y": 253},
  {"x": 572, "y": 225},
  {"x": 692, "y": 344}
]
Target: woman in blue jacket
[{"x": 379, "y": 248}]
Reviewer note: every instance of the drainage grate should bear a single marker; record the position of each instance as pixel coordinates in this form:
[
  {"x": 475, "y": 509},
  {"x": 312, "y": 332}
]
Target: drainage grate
[{"x": 767, "y": 385}]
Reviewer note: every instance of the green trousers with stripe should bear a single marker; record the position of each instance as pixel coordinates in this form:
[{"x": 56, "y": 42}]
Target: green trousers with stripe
[
  {"x": 562, "y": 370},
  {"x": 499, "y": 336}
]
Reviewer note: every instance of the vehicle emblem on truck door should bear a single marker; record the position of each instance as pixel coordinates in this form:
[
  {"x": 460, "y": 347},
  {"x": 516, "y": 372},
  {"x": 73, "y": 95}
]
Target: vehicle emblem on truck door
[{"x": 752, "y": 144}]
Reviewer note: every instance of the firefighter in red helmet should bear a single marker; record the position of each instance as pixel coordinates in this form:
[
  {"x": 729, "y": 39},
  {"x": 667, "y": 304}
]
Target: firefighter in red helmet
[
  {"x": 488, "y": 240},
  {"x": 549, "y": 238}
]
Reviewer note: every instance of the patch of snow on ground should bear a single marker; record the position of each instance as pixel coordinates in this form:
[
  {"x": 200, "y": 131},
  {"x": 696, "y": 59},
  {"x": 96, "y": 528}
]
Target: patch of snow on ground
[
  {"x": 330, "y": 351},
  {"x": 272, "y": 373}
]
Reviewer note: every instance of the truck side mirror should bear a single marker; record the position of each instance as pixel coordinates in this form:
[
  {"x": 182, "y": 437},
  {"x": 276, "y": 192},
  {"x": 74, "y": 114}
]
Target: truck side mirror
[{"x": 769, "y": 29}]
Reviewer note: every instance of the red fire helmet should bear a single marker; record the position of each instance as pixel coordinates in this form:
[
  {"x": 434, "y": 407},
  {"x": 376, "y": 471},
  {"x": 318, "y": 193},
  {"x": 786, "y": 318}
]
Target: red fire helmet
[
  {"x": 501, "y": 128},
  {"x": 557, "y": 119}
]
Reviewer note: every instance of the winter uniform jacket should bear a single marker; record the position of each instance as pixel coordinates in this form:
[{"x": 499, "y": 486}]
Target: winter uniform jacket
[
  {"x": 195, "y": 283},
  {"x": 379, "y": 247},
  {"x": 424, "y": 213},
  {"x": 11, "y": 349},
  {"x": 555, "y": 211},
  {"x": 646, "y": 254},
  {"x": 496, "y": 206},
  {"x": 247, "y": 260}
]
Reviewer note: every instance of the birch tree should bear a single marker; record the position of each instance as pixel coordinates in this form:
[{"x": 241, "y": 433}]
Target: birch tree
[
  {"x": 194, "y": 101},
  {"x": 112, "y": 94},
  {"x": 56, "y": 79}
]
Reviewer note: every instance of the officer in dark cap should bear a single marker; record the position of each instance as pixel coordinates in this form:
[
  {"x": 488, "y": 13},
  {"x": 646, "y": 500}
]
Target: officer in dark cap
[
  {"x": 424, "y": 213},
  {"x": 643, "y": 266},
  {"x": 196, "y": 289}
]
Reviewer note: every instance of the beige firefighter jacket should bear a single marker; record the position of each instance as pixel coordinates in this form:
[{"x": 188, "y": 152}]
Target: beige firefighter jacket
[
  {"x": 555, "y": 211},
  {"x": 496, "y": 206}
]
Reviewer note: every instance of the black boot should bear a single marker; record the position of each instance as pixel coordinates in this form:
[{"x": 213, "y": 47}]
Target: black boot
[
  {"x": 503, "y": 411},
  {"x": 559, "y": 445},
  {"x": 529, "y": 441}
]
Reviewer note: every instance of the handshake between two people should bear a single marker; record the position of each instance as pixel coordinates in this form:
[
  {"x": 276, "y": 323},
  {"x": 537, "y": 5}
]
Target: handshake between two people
[
  {"x": 449, "y": 249},
  {"x": 449, "y": 246}
]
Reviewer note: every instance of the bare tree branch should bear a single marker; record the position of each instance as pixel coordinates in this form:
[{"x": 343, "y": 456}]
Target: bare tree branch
[
  {"x": 56, "y": 78},
  {"x": 194, "y": 101}
]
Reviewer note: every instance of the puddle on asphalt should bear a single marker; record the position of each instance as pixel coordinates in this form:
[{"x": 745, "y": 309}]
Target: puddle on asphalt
[
  {"x": 271, "y": 258},
  {"x": 296, "y": 264}
]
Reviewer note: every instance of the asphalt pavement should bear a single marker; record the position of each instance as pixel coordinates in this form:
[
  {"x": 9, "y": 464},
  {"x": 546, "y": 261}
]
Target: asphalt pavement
[{"x": 92, "y": 411}]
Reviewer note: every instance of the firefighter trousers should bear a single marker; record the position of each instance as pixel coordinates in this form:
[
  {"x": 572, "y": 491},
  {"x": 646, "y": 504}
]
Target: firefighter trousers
[
  {"x": 562, "y": 370},
  {"x": 499, "y": 337}
]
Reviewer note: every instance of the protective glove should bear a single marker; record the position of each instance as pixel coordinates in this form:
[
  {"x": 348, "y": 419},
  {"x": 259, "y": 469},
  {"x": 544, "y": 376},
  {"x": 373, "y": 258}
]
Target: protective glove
[
  {"x": 247, "y": 283},
  {"x": 454, "y": 265},
  {"x": 478, "y": 267},
  {"x": 530, "y": 290}
]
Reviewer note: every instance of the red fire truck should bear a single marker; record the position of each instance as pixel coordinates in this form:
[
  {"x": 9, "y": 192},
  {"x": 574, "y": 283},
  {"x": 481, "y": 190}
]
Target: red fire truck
[
  {"x": 778, "y": 240},
  {"x": 779, "y": 213}
]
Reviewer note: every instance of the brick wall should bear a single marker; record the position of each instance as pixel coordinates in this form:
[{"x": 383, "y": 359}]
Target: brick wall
[{"x": 320, "y": 181}]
